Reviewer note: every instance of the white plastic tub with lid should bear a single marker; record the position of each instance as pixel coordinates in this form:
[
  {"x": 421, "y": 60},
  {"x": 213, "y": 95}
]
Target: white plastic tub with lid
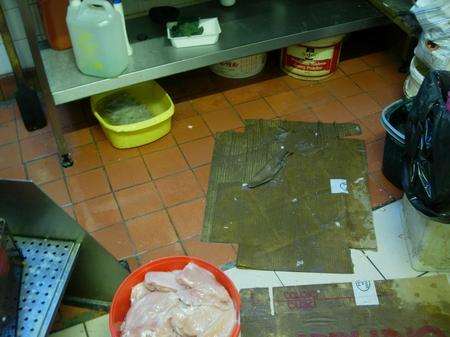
[{"x": 417, "y": 72}]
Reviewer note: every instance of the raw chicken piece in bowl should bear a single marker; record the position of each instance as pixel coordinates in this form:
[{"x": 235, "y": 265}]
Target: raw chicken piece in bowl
[{"x": 195, "y": 295}]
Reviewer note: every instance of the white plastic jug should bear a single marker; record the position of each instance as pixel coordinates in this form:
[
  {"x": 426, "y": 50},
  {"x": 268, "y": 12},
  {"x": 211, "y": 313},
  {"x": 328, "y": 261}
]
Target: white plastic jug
[{"x": 98, "y": 39}]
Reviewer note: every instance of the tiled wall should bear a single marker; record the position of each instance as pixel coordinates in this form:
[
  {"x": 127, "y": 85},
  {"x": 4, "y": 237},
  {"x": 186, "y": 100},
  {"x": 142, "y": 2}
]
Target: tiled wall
[{"x": 132, "y": 8}]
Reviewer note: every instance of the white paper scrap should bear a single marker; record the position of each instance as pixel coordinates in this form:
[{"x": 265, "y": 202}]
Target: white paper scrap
[
  {"x": 365, "y": 293},
  {"x": 338, "y": 186}
]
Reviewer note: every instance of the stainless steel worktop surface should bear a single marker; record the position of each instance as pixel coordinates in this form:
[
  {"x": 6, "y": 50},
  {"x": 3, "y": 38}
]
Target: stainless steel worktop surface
[{"x": 249, "y": 27}]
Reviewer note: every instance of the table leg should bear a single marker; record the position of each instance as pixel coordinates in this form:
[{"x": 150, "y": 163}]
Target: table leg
[{"x": 30, "y": 29}]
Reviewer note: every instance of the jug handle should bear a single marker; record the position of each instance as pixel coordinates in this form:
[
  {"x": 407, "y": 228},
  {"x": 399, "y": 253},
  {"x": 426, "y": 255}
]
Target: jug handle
[{"x": 106, "y": 5}]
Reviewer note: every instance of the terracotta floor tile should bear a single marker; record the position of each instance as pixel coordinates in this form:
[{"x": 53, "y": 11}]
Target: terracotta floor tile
[
  {"x": 336, "y": 75},
  {"x": 73, "y": 113},
  {"x": 189, "y": 129},
  {"x": 133, "y": 263},
  {"x": 138, "y": 200},
  {"x": 188, "y": 218},
  {"x": 294, "y": 83},
  {"x": 242, "y": 94},
  {"x": 57, "y": 191},
  {"x": 375, "y": 155},
  {"x": 152, "y": 231},
  {"x": 9, "y": 155},
  {"x": 315, "y": 95},
  {"x": 79, "y": 137},
  {"x": 88, "y": 185},
  {"x": 202, "y": 174},
  {"x": 302, "y": 116},
  {"x": 7, "y": 111},
  {"x": 8, "y": 86},
  {"x": 361, "y": 105},
  {"x": 178, "y": 188},
  {"x": 8, "y": 132},
  {"x": 373, "y": 123},
  {"x": 109, "y": 153},
  {"x": 378, "y": 196},
  {"x": 369, "y": 81},
  {"x": 69, "y": 210},
  {"x": 126, "y": 173},
  {"x": 387, "y": 95},
  {"x": 85, "y": 157},
  {"x": 386, "y": 185},
  {"x": 198, "y": 152},
  {"x": 98, "y": 213},
  {"x": 334, "y": 111},
  {"x": 44, "y": 170},
  {"x": 38, "y": 146},
  {"x": 365, "y": 135},
  {"x": 210, "y": 103},
  {"x": 390, "y": 73},
  {"x": 378, "y": 58},
  {"x": 258, "y": 109},
  {"x": 271, "y": 87},
  {"x": 286, "y": 103},
  {"x": 342, "y": 87},
  {"x": 115, "y": 239},
  {"x": 14, "y": 172},
  {"x": 23, "y": 133},
  {"x": 215, "y": 253},
  {"x": 353, "y": 66},
  {"x": 184, "y": 110},
  {"x": 97, "y": 133},
  {"x": 161, "y": 144},
  {"x": 174, "y": 249},
  {"x": 165, "y": 162},
  {"x": 222, "y": 120}
]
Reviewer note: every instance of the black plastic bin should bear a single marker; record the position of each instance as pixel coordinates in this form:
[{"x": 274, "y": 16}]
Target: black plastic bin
[{"x": 393, "y": 119}]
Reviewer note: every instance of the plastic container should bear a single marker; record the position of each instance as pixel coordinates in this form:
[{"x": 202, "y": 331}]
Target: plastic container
[
  {"x": 227, "y": 3},
  {"x": 119, "y": 8},
  {"x": 131, "y": 135},
  {"x": 417, "y": 72},
  {"x": 427, "y": 240},
  {"x": 393, "y": 119},
  {"x": 211, "y": 32},
  {"x": 98, "y": 39},
  {"x": 121, "y": 301},
  {"x": 53, "y": 13},
  {"x": 242, "y": 67},
  {"x": 314, "y": 60}
]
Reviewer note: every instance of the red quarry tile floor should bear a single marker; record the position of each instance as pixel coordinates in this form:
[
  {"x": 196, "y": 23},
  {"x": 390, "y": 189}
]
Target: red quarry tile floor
[{"x": 148, "y": 202}]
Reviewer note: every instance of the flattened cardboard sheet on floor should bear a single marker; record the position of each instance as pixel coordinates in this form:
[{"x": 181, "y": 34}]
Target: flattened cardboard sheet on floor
[
  {"x": 293, "y": 195},
  {"x": 416, "y": 307}
]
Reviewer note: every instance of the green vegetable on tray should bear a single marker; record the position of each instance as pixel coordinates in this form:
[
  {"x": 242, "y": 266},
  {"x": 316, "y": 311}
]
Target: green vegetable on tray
[{"x": 186, "y": 27}]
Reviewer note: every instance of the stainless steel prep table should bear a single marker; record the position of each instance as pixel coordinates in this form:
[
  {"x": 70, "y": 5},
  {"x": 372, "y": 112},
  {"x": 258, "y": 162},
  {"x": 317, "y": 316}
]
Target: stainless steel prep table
[{"x": 249, "y": 27}]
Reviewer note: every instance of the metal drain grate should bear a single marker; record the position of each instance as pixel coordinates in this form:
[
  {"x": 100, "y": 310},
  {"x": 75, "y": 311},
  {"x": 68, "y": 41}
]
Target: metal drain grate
[{"x": 48, "y": 264}]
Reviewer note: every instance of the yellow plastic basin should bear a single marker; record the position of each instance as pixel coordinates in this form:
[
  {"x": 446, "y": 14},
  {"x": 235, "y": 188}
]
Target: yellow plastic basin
[{"x": 131, "y": 135}]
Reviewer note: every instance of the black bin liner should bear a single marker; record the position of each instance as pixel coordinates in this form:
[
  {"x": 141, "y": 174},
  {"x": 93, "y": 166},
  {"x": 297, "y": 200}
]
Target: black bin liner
[
  {"x": 393, "y": 119},
  {"x": 426, "y": 178}
]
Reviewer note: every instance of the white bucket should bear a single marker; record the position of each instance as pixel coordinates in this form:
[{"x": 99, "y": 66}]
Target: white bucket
[
  {"x": 242, "y": 67},
  {"x": 426, "y": 239},
  {"x": 417, "y": 73},
  {"x": 312, "y": 60}
]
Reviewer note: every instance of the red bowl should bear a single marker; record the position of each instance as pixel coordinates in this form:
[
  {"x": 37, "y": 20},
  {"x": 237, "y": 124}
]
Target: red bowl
[{"x": 121, "y": 301}]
